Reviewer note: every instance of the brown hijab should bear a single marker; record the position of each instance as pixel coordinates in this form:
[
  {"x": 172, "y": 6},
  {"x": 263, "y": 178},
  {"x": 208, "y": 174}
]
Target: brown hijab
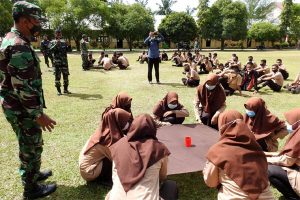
[
  {"x": 110, "y": 130},
  {"x": 239, "y": 155},
  {"x": 162, "y": 106},
  {"x": 264, "y": 122},
  {"x": 292, "y": 145},
  {"x": 133, "y": 154},
  {"x": 211, "y": 100},
  {"x": 122, "y": 100}
]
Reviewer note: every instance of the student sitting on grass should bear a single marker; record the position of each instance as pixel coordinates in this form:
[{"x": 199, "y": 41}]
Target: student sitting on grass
[
  {"x": 177, "y": 60},
  {"x": 231, "y": 81},
  {"x": 164, "y": 56},
  {"x": 215, "y": 60},
  {"x": 274, "y": 79},
  {"x": 169, "y": 110},
  {"x": 101, "y": 57},
  {"x": 122, "y": 100},
  {"x": 265, "y": 126},
  {"x": 143, "y": 57},
  {"x": 262, "y": 69},
  {"x": 192, "y": 78},
  {"x": 106, "y": 62},
  {"x": 123, "y": 62},
  {"x": 249, "y": 78},
  {"x": 91, "y": 60},
  {"x": 205, "y": 67},
  {"x": 295, "y": 85},
  {"x": 95, "y": 158},
  {"x": 209, "y": 101},
  {"x": 140, "y": 164},
  {"x": 284, "y": 166},
  {"x": 114, "y": 58},
  {"x": 282, "y": 69},
  {"x": 236, "y": 165}
]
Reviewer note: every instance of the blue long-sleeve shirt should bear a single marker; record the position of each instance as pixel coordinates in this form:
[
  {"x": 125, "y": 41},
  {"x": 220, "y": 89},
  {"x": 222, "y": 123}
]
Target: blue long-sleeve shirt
[{"x": 153, "y": 44}]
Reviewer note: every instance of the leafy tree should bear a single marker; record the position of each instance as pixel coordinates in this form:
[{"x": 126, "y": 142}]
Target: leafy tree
[
  {"x": 223, "y": 20},
  {"x": 286, "y": 16},
  {"x": 295, "y": 25},
  {"x": 264, "y": 31},
  {"x": 130, "y": 22},
  {"x": 165, "y": 7},
  {"x": 75, "y": 16},
  {"x": 178, "y": 27},
  {"x": 258, "y": 10},
  {"x": 6, "y": 20}
]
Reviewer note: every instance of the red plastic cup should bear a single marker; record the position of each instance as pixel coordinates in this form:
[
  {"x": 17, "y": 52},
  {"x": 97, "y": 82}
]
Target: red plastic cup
[{"x": 188, "y": 141}]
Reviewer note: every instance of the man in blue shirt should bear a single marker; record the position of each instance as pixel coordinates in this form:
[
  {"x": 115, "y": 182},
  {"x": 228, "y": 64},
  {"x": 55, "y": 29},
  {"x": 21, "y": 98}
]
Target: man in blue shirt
[{"x": 153, "y": 54}]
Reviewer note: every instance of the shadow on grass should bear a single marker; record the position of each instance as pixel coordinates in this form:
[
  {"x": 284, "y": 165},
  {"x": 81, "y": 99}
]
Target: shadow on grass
[
  {"x": 88, "y": 192},
  {"x": 85, "y": 96},
  {"x": 192, "y": 186}
]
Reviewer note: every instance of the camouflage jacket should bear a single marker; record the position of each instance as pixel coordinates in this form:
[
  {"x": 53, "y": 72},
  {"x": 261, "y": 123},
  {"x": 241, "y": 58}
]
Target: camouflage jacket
[
  {"x": 45, "y": 46},
  {"x": 59, "y": 50},
  {"x": 21, "y": 85},
  {"x": 84, "y": 46}
]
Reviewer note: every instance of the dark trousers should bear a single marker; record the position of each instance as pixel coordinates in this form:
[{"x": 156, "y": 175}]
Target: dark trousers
[
  {"x": 155, "y": 62},
  {"x": 173, "y": 119},
  {"x": 224, "y": 83},
  {"x": 272, "y": 85},
  {"x": 190, "y": 82},
  {"x": 279, "y": 179},
  {"x": 58, "y": 70},
  {"x": 168, "y": 190},
  {"x": 105, "y": 177},
  {"x": 206, "y": 120},
  {"x": 203, "y": 69}
]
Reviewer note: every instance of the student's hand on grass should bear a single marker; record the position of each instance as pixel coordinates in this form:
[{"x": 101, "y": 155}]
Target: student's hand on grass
[
  {"x": 168, "y": 113},
  {"x": 46, "y": 122}
]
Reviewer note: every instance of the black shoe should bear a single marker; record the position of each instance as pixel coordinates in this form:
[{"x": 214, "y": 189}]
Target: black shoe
[
  {"x": 67, "y": 92},
  {"x": 58, "y": 91},
  {"x": 158, "y": 82},
  {"x": 44, "y": 175},
  {"x": 39, "y": 191}
]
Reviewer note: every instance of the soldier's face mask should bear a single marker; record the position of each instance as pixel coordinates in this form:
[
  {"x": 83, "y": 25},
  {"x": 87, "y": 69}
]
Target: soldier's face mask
[{"x": 36, "y": 27}]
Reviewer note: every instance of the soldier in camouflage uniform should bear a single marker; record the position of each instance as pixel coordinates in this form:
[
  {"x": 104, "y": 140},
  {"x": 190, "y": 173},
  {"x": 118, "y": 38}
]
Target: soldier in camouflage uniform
[
  {"x": 84, "y": 52},
  {"x": 45, "y": 50},
  {"x": 58, "y": 48},
  {"x": 21, "y": 96}
]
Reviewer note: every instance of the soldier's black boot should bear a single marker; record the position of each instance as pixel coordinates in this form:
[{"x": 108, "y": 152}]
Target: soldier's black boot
[
  {"x": 58, "y": 91},
  {"x": 44, "y": 175},
  {"x": 38, "y": 191},
  {"x": 66, "y": 91}
]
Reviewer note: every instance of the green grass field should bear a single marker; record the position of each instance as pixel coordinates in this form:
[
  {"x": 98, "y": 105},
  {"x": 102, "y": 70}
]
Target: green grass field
[{"x": 78, "y": 115}]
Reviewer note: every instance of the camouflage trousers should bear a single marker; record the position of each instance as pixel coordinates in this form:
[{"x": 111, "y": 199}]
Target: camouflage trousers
[
  {"x": 85, "y": 61},
  {"x": 46, "y": 57},
  {"x": 29, "y": 135},
  {"x": 61, "y": 70}
]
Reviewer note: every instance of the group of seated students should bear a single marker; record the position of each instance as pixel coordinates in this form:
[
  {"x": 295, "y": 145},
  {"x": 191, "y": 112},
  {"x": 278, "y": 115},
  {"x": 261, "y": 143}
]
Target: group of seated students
[
  {"x": 117, "y": 60},
  {"x": 144, "y": 57},
  {"x": 125, "y": 154},
  {"x": 232, "y": 75}
]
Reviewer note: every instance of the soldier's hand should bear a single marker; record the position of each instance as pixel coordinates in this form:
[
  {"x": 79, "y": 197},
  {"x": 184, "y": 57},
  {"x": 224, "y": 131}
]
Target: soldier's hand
[{"x": 46, "y": 122}]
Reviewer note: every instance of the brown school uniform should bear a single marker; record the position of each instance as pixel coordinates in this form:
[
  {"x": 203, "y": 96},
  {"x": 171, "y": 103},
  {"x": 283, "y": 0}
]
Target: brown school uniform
[
  {"x": 138, "y": 157},
  {"x": 265, "y": 126},
  {"x": 96, "y": 148},
  {"x": 236, "y": 164}
]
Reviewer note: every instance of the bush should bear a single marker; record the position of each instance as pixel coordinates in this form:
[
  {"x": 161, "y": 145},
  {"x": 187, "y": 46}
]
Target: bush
[
  {"x": 165, "y": 45},
  {"x": 94, "y": 44},
  {"x": 284, "y": 44}
]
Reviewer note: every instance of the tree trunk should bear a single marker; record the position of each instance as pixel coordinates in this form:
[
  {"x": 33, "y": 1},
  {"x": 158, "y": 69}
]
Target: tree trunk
[
  {"x": 130, "y": 45},
  {"x": 77, "y": 42},
  {"x": 222, "y": 44}
]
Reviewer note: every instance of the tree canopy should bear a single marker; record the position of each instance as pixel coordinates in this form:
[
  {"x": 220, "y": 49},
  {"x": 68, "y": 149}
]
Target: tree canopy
[
  {"x": 264, "y": 31},
  {"x": 165, "y": 7},
  {"x": 179, "y": 27}
]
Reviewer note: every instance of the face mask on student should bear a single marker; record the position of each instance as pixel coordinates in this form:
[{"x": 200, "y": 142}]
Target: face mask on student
[
  {"x": 172, "y": 106},
  {"x": 210, "y": 87},
  {"x": 289, "y": 127},
  {"x": 250, "y": 113}
]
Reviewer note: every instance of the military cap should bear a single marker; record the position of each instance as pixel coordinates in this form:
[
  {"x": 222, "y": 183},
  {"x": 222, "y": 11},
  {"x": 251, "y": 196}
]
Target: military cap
[{"x": 28, "y": 9}]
